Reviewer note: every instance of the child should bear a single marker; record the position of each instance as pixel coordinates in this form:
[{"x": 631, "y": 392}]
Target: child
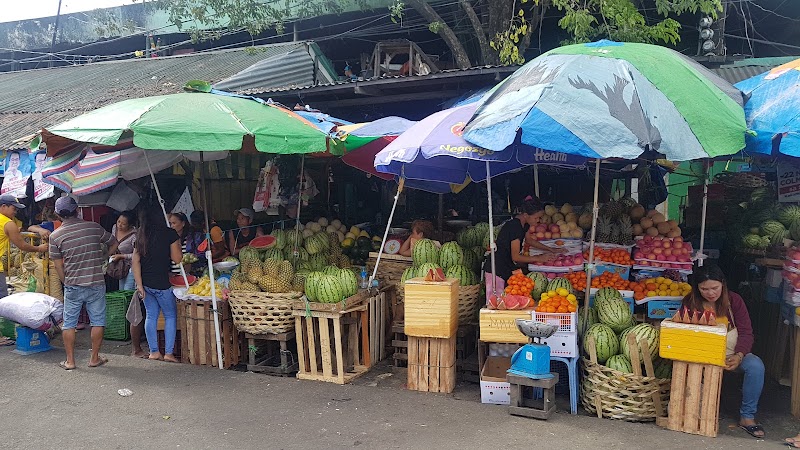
[{"x": 420, "y": 229}]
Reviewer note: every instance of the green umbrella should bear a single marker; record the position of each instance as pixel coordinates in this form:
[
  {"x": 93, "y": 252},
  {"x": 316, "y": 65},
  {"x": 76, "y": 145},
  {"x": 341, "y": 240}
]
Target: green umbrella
[{"x": 192, "y": 121}]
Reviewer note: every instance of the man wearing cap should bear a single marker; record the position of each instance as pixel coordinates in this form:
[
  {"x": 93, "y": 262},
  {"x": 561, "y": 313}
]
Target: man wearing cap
[
  {"x": 9, "y": 232},
  {"x": 244, "y": 232},
  {"x": 76, "y": 249}
]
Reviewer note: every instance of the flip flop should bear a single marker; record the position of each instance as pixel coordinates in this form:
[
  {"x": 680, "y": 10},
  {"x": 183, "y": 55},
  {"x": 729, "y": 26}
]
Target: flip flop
[
  {"x": 4, "y": 342},
  {"x": 99, "y": 363},
  {"x": 63, "y": 365},
  {"x": 753, "y": 429}
]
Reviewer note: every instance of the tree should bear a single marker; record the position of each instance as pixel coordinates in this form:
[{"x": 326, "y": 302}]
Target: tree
[{"x": 503, "y": 28}]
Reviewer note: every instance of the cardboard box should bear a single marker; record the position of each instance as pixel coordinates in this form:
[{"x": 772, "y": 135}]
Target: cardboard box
[
  {"x": 431, "y": 308},
  {"x": 501, "y": 326},
  {"x": 702, "y": 344},
  {"x": 495, "y": 389},
  {"x": 561, "y": 344}
]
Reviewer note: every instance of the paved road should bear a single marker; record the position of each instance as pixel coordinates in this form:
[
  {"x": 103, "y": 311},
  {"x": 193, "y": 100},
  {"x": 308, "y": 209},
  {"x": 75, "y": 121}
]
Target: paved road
[{"x": 182, "y": 406}]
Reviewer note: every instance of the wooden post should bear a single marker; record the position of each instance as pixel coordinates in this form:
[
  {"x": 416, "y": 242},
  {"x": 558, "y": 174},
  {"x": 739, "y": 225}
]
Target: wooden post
[{"x": 796, "y": 374}]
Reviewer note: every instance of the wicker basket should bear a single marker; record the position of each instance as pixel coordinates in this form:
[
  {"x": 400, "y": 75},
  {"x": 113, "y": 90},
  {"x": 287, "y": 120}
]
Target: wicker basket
[
  {"x": 613, "y": 394},
  {"x": 390, "y": 271},
  {"x": 468, "y": 299},
  {"x": 263, "y": 312}
]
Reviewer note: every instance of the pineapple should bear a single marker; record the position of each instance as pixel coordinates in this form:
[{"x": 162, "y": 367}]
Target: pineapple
[
  {"x": 286, "y": 272},
  {"x": 249, "y": 287},
  {"x": 254, "y": 273},
  {"x": 613, "y": 209},
  {"x": 604, "y": 229},
  {"x": 626, "y": 230},
  {"x": 274, "y": 285},
  {"x": 299, "y": 283},
  {"x": 271, "y": 267},
  {"x": 616, "y": 234},
  {"x": 343, "y": 262}
]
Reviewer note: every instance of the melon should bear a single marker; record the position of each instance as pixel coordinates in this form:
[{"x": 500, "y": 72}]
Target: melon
[
  {"x": 558, "y": 283},
  {"x": 663, "y": 368},
  {"x": 641, "y": 331},
  {"x": 422, "y": 271},
  {"x": 620, "y": 363},
  {"x": 539, "y": 284},
  {"x": 605, "y": 341},
  {"x": 425, "y": 252},
  {"x": 615, "y": 313},
  {"x": 263, "y": 242},
  {"x": 789, "y": 215},
  {"x": 409, "y": 273},
  {"x": 463, "y": 274},
  {"x": 451, "y": 254}
]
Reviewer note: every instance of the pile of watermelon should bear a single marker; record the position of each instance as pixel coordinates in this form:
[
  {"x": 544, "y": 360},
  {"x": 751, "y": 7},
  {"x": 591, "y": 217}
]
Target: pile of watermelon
[
  {"x": 610, "y": 323},
  {"x": 454, "y": 260},
  {"x": 330, "y": 285}
]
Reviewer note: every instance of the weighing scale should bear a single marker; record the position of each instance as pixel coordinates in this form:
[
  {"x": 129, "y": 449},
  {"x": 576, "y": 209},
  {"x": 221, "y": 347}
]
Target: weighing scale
[{"x": 533, "y": 360}]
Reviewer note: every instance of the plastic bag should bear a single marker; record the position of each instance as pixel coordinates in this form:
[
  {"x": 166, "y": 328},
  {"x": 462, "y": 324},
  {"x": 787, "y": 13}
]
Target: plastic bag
[{"x": 32, "y": 310}]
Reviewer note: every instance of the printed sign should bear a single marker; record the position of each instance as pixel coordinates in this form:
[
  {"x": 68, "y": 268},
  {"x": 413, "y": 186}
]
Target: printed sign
[
  {"x": 788, "y": 183},
  {"x": 18, "y": 170},
  {"x": 41, "y": 190}
]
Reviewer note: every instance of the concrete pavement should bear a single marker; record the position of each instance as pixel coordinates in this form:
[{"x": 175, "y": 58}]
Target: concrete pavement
[{"x": 183, "y": 406}]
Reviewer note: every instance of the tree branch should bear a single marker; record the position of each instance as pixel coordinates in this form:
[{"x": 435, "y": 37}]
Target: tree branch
[
  {"x": 447, "y": 34},
  {"x": 488, "y": 56}
]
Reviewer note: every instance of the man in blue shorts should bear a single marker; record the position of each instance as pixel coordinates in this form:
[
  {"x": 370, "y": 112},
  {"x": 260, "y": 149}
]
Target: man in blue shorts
[{"x": 76, "y": 249}]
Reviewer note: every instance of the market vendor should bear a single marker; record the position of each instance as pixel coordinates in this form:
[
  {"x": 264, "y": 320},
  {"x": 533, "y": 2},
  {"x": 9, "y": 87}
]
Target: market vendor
[
  {"x": 420, "y": 229},
  {"x": 508, "y": 256},
  {"x": 219, "y": 250},
  {"x": 244, "y": 232},
  {"x": 710, "y": 292}
]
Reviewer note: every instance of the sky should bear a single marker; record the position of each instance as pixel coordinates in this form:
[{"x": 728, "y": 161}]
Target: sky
[{"x": 31, "y": 9}]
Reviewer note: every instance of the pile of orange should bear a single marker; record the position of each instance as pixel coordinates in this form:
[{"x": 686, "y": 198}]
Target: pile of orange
[
  {"x": 659, "y": 287},
  {"x": 554, "y": 302},
  {"x": 519, "y": 284},
  {"x": 615, "y": 256},
  {"x": 611, "y": 279},
  {"x": 578, "y": 280}
]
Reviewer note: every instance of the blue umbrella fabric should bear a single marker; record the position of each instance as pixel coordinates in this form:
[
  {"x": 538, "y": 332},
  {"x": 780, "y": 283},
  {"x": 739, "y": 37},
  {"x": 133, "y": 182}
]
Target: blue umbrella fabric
[
  {"x": 773, "y": 110},
  {"x": 434, "y": 150}
]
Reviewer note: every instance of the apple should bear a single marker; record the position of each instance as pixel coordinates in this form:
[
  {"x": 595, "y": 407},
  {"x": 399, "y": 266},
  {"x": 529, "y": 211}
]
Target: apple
[
  {"x": 548, "y": 235},
  {"x": 555, "y": 229},
  {"x": 666, "y": 244},
  {"x": 651, "y": 256},
  {"x": 638, "y": 255},
  {"x": 677, "y": 240},
  {"x": 541, "y": 228},
  {"x": 540, "y": 235},
  {"x": 671, "y": 258}
]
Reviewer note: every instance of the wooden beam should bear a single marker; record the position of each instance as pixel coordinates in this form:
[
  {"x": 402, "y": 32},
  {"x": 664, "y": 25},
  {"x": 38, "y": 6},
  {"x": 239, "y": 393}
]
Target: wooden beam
[
  {"x": 388, "y": 98},
  {"x": 368, "y": 90}
]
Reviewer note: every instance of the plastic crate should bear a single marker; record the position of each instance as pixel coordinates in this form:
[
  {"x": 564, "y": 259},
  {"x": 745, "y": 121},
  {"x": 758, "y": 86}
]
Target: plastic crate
[
  {"x": 563, "y": 344},
  {"x": 662, "y": 309},
  {"x": 567, "y": 322},
  {"x": 117, "y": 327},
  {"x": 30, "y": 341}
]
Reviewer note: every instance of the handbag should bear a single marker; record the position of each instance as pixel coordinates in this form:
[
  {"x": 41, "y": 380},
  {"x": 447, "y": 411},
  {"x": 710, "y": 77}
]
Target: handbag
[{"x": 119, "y": 269}]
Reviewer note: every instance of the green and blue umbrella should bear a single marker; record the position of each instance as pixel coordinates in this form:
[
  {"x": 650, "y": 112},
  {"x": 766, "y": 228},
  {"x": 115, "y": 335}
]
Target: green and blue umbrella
[{"x": 613, "y": 100}]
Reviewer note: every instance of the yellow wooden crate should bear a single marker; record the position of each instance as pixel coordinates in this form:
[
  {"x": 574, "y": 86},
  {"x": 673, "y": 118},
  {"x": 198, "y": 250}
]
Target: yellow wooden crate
[
  {"x": 501, "y": 326},
  {"x": 702, "y": 344},
  {"x": 431, "y": 308}
]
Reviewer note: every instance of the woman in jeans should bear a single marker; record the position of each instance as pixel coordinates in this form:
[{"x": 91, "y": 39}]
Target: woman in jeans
[
  {"x": 156, "y": 247},
  {"x": 125, "y": 233}
]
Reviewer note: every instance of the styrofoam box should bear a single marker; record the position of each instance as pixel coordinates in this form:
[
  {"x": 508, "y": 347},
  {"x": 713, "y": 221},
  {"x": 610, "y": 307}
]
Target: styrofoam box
[
  {"x": 494, "y": 389},
  {"x": 563, "y": 344}
]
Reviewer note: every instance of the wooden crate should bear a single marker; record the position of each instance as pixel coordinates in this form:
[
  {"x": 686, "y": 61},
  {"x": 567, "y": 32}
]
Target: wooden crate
[
  {"x": 273, "y": 354},
  {"x": 431, "y": 364},
  {"x": 399, "y": 345},
  {"x": 198, "y": 338},
  {"x": 332, "y": 346},
  {"x": 431, "y": 308},
  {"x": 694, "y": 399},
  {"x": 379, "y": 322},
  {"x": 501, "y": 327},
  {"x": 701, "y": 344},
  {"x": 466, "y": 342}
]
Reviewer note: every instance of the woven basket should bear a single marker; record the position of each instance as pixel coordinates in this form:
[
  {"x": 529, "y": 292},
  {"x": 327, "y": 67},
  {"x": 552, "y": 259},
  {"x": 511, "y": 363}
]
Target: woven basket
[
  {"x": 390, "y": 271},
  {"x": 263, "y": 312},
  {"x": 468, "y": 299}
]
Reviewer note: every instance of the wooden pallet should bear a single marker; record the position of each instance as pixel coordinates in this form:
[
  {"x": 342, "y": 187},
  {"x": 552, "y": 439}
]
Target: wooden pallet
[
  {"x": 399, "y": 344},
  {"x": 332, "y": 346},
  {"x": 277, "y": 353},
  {"x": 198, "y": 337},
  {"x": 431, "y": 364},
  {"x": 694, "y": 399},
  {"x": 379, "y": 317}
]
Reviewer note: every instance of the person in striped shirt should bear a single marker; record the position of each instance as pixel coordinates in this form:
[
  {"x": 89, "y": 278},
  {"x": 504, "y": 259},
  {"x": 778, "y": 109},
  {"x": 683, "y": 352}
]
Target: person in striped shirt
[{"x": 77, "y": 251}]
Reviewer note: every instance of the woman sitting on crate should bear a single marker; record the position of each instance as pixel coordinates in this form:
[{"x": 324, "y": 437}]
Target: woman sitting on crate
[
  {"x": 157, "y": 246},
  {"x": 710, "y": 292}
]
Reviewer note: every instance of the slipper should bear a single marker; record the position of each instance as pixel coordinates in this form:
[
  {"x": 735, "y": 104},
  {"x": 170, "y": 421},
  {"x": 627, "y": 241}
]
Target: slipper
[
  {"x": 99, "y": 363},
  {"x": 63, "y": 365},
  {"x": 4, "y": 342},
  {"x": 753, "y": 429}
]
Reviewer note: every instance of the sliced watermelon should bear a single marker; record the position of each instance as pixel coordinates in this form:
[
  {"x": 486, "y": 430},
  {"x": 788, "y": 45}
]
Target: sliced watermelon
[
  {"x": 262, "y": 242},
  {"x": 177, "y": 280}
]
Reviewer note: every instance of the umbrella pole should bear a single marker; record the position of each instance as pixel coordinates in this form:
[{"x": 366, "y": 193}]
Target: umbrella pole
[
  {"x": 211, "y": 264},
  {"x": 386, "y": 233},
  {"x": 295, "y": 250},
  {"x": 491, "y": 228},
  {"x": 163, "y": 209},
  {"x": 590, "y": 264},
  {"x": 536, "y": 180},
  {"x": 700, "y": 255}
]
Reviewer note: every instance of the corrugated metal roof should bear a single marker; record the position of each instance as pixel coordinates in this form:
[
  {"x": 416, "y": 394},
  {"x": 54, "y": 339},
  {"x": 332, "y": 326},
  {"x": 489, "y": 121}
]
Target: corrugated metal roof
[
  {"x": 748, "y": 68},
  {"x": 33, "y": 99}
]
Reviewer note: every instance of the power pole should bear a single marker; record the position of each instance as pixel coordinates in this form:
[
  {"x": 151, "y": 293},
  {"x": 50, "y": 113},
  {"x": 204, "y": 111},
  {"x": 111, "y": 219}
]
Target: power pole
[{"x": 55, "y": 32}]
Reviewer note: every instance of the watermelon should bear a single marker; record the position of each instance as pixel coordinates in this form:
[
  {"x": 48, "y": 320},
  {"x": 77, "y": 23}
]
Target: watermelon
[
  {"x": 263, "y": 242},
  {"x": 463, "y": 238},
  {"x": 451, "y": 255},
  {"x": 789, "y": 215},
  {"x": 663, "y": 368},
  {"x": 772, "y": 227},
  {"x": 422, "y": 270},
  {"x": 558, "y": 283},
  {"x": 464, "y": 275},
  {"x": 794, "y": 231},
  {"x": 408, "y": 274},
  {"x": 273, "y": 253},
  {"x": 280, "y": 238},
  {"x": 605, "y": 341},
  {"x": 641, "y": 331},
  {"x": 582, "y": 327},
  {"x": 621, "y": 363},
  {"x": 539, "y": 284},
  {"x": 331, "y": 270},
  {"x": 604, "y": 294},
  {"x": 762, "y": 195},
  {"x": 349, "y": 282},
  {"x": 425, "y": 252},
  {"x": 752, "y": 241},
  {"x": 329, "y": 289},
  {"x": 615, "y": 313},
  {"x": 312, "y": 279},
  {"x": 471, "y": 260}
]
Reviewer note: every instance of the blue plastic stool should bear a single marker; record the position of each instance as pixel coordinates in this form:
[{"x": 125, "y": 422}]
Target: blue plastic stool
[
  {"x": 30, "y": 341},
  {"x": 572, "y": 369}
]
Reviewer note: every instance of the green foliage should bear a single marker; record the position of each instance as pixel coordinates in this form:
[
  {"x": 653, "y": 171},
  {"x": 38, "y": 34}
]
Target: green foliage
[
  {"x": 396, "y": 11},
  {"x": 621, "y": 20}
]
